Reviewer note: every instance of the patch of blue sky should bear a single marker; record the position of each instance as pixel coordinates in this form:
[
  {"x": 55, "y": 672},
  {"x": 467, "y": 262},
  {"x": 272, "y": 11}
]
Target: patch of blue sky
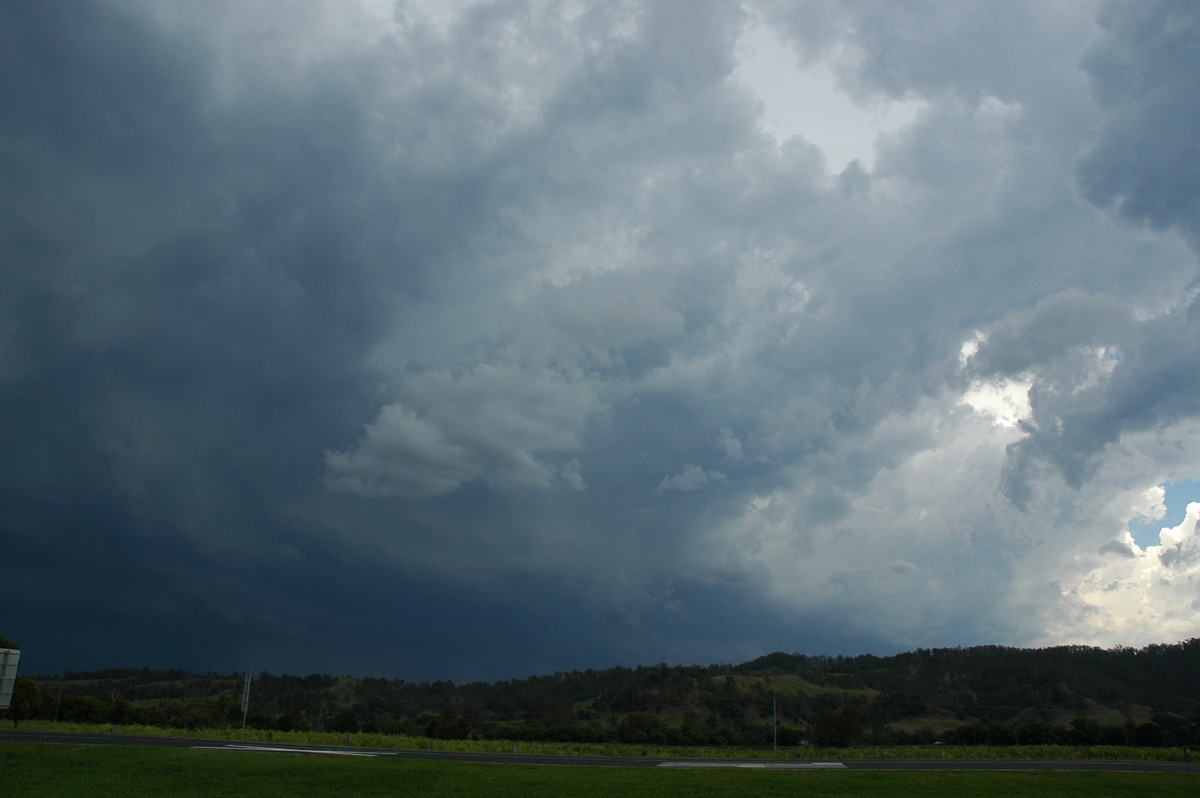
[{"x": 1179, "y": 494}]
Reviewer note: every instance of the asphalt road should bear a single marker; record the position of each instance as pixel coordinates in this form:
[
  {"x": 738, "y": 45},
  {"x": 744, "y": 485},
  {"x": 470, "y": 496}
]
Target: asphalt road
[{"x": 601, "y": 761}]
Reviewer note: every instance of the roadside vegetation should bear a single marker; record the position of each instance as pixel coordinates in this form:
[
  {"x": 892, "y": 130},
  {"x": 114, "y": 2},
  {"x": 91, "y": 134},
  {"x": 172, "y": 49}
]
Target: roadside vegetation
[{"x": 814, "y": 753}]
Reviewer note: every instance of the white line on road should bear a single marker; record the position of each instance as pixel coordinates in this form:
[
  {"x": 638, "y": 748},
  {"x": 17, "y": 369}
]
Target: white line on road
[
  {"x": 761, "y": 765},
  {"x": 278, "y": 750}
]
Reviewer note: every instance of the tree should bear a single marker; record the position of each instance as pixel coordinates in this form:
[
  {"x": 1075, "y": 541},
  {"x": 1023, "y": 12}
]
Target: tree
[
  {"x": 27, "y": 701},
  {"x": 639, "y": 728},
  {"x": 223, "y": 711},
  {"x": 6, "y": 643},
  {"x": 839, "y": 729},
  {"x": 1086, "y": 731},
  {"x": 1149, "y": 734},
  {"x": 344, "y": 721},
  {"x": 446, "y": 729}
]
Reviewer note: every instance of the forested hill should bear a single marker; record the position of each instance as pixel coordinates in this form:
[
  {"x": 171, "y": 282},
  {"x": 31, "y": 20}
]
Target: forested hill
[{"x": 982, "y": 694}]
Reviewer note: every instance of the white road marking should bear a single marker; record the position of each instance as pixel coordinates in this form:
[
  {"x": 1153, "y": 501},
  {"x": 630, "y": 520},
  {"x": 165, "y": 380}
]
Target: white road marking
[
  {"x": 278, "y": 750},
  {"x": 761, "y": 765}
]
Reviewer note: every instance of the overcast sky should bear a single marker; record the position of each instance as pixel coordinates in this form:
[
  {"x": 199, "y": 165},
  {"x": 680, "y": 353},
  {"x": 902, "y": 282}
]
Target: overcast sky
[{"x": 476, "y": 341}]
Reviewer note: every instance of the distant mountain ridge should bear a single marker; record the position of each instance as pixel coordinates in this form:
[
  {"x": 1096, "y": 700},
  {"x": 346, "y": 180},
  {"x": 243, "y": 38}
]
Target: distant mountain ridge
[{"x": 992, "y": 694}]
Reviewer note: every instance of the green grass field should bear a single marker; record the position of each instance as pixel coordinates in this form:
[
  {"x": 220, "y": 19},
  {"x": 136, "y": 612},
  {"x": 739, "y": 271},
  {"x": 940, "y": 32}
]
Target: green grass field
[
  {"x": 402, "y": 742},
  {"x": 28, "y": 769}
]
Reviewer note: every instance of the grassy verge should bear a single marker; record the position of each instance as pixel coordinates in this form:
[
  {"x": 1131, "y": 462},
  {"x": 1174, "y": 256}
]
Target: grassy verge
[
  {"x": 30, "y": 770},
  {"x": 405, "y": 743}
]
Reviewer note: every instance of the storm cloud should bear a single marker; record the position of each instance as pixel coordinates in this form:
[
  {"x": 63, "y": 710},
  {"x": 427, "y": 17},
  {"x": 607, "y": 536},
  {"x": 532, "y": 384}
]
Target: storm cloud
[{"x": 492, "y": 338}]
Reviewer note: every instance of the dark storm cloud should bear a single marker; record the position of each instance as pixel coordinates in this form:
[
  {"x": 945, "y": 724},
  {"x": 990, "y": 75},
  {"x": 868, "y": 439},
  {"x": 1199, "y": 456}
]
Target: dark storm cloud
[
  {"x": 185, "y": 296},
  {"x": 1144, "y": 159},
  {"x": 367, "y": 338},
  {"x": 1143, "y": 164}
]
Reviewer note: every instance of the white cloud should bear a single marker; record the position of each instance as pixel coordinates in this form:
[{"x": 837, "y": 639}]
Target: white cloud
[
  {"x": 400, "y": 454},
  {"x": 934, "y": 510},
  {"x": 493, "y": 422},
  {"x": 804, "y": 99},
  {"x": 1004, "y": 401},
  {"x": 571, "y": 472},
  {"x": 692, "y": 478},
  {"x": 1149, "y": 505},
  {"x": 1142, "y": 596},
  {"x": 728, "y": 443}
]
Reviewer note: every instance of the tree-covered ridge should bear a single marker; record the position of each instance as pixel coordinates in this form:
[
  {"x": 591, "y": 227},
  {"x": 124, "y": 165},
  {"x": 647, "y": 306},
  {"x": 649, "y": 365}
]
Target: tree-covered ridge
[{"x": 984, "y": 694}]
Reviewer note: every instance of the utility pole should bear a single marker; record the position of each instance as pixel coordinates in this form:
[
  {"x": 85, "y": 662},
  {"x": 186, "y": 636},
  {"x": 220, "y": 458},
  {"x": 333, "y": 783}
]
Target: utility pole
[
  {"x": 774, "y": 724},
  {"x": 245, "y": 703}
]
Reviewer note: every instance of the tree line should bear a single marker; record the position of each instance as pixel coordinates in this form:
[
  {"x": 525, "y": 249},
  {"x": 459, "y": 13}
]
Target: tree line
[{"x": 990, "y": 695}]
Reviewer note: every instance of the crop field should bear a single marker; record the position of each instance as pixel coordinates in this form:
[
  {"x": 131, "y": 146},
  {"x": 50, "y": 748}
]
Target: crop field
[{"x": 28, "y": 769}]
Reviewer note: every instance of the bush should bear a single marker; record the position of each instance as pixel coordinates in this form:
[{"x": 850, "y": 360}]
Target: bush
[{"x": 344, "y": 721}]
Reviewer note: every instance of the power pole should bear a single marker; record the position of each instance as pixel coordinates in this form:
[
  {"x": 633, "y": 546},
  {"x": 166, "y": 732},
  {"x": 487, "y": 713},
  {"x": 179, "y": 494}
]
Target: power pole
[
  {"x": 774, "y": 724},
  {"x": 245, "y": 703}
]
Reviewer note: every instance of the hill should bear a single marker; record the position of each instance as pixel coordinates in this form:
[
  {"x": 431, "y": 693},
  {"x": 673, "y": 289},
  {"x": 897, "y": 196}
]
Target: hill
[{"x": 986, "y": 694}]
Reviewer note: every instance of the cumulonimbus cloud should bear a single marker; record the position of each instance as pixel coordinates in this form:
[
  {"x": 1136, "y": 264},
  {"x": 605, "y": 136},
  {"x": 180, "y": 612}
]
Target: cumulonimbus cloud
[{"x": 522, "y": 303}]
